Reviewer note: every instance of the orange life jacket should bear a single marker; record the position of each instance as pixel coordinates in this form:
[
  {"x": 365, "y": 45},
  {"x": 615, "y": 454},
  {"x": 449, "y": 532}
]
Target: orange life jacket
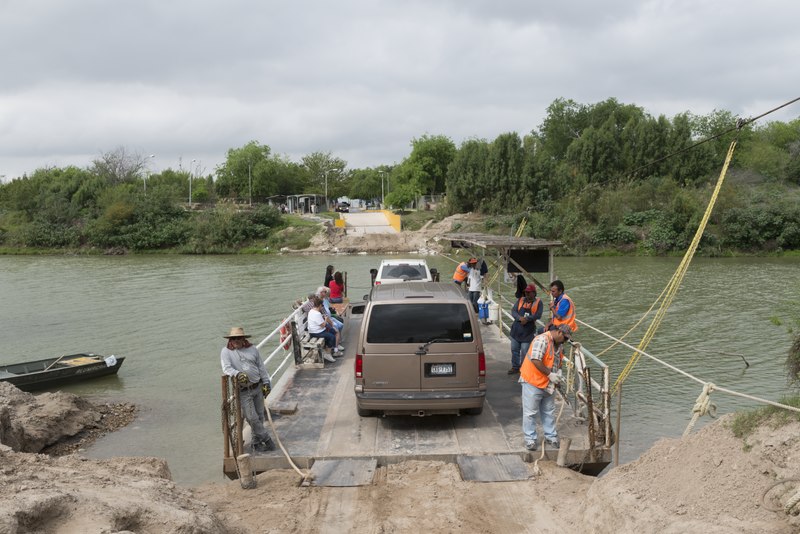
[
  {"x": 530, "y": 373},
  {"x": 569, "y": 318},
  {"x": 460, "y": 275},
  {"x": 529, "y": 306}
]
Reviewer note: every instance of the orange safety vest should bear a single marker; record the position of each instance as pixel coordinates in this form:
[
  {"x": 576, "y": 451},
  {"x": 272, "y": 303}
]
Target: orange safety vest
[
  {"x": 530, "y": 373},
  {"x": 569, "y": 318},
  {"x": 460, "y": 275},
  {"x": 530, "y": 306}
]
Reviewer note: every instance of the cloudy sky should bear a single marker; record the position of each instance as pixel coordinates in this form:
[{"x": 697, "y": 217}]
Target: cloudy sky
[{"x": 188, "y": 80}]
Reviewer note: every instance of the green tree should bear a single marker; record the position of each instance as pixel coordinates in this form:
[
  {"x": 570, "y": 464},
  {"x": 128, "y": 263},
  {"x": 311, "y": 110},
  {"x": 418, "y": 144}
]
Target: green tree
[
  {"x": 244, "y": 171},
  {"x": 432, "y": 154},
  {"x": 326, "y": 174}
]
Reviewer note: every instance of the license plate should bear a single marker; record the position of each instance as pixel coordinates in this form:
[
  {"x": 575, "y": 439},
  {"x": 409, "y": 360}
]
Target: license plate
[{"x": 441, "y": 368}]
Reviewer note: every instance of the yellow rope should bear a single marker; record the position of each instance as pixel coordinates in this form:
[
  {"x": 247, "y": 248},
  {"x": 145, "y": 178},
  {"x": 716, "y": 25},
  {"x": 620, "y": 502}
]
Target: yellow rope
[{"x": 674, "y": 283}]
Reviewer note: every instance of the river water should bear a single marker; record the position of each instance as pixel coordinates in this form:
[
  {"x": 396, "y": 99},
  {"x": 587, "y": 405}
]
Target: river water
[{"x": 167, "y": 315}]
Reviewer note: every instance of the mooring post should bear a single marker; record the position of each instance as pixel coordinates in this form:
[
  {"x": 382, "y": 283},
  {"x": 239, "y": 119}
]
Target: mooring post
[
  {"x": 563, "y": 450},
  {"x": 246, "y": 478}
]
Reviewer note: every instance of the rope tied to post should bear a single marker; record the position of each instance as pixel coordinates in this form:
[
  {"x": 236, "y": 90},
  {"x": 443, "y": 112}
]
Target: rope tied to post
[{"x": 702, "y": 406}]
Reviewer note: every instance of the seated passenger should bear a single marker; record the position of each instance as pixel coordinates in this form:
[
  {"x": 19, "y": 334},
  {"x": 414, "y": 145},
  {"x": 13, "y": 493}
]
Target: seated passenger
[
  {"x": 320, "y": 326},
  {"x": 336, "y": 287}
]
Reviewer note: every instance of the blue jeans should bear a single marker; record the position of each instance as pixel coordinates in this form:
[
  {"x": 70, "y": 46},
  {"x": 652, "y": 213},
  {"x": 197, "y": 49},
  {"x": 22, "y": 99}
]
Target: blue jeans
[
  {"x": 538, "y": 401},
  {"x": 253, "y": 411},
  {"x": 518, "y": 351},
  {"x": 473, "y": 298},
  {"x": 329, "y": 337}
]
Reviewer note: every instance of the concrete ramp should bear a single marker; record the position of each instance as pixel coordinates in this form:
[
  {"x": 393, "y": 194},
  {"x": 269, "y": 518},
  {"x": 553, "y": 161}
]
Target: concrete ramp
[{"x": 367, "y": 223}]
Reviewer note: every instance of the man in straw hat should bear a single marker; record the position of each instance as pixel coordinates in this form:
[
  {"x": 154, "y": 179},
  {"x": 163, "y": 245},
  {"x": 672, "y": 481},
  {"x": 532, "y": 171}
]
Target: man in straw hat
[{"x": 242, "y": 361}]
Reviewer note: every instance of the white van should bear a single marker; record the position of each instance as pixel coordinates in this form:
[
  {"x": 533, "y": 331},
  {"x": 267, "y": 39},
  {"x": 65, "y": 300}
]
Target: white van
[{"x": 398, "y": 271}]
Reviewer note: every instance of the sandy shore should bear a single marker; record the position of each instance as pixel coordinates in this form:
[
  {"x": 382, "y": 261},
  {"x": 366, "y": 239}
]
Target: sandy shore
[{"x": 709, "y": 482}]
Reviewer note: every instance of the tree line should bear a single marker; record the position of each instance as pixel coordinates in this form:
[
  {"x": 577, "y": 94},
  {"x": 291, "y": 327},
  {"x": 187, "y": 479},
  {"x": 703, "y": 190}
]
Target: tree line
[{"x": 605, "y": 176}]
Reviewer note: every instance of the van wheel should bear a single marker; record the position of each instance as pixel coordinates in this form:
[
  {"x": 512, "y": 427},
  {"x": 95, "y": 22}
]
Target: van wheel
[
  {"x": 364, "y": 413},
  {"x": 473, "y": 411}
]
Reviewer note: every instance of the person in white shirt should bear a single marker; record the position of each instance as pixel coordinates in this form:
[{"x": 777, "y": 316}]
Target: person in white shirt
[
  {"x": 320, "y": 326},
  {"x": 474, "y": 280}
]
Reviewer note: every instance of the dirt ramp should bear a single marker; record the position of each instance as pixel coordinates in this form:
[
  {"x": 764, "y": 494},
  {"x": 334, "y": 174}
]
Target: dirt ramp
[
  {"x": 28, "y": 423},
  {"x": 68, "y": 495},
  {"x": 709, "y": 482}
]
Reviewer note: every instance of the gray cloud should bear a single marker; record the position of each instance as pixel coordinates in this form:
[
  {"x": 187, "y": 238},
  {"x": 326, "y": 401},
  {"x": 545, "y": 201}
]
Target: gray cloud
[{"x": 191, "y": 80}]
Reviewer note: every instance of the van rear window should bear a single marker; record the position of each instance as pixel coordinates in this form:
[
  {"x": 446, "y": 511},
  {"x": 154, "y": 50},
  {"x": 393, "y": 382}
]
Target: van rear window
[{"x": 419, "y": 323}]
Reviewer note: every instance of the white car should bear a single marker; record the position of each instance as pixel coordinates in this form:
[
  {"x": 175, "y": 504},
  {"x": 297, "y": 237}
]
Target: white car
[{"x": 398, "y": 271}]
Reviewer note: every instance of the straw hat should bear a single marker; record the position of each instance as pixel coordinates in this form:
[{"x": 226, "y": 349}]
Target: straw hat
[{"x": 236, "y": 331}]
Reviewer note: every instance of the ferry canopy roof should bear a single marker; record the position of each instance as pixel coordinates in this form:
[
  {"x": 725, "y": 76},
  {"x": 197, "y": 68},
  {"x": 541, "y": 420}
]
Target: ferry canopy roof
[
  {"x": 487, "y": 241},
  {"x": 518, "y": 254}
]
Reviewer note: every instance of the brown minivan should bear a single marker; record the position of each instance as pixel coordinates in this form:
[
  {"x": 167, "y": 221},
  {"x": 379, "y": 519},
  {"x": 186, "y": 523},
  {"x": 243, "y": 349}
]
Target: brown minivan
[{"x": 419, "y": 352}]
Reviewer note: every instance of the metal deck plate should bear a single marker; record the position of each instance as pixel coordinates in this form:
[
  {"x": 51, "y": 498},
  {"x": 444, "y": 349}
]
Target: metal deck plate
[
  {"x": 503, "y": 468},
  {"x": 344, "y": 473}
]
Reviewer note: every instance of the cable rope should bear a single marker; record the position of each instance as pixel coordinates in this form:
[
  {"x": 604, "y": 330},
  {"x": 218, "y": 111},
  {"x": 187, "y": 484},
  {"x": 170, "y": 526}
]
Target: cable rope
[
  {"x": 689, "y": 375},
  {"x": 674, "y": 283},
  {"x": 740, "y": 123}
]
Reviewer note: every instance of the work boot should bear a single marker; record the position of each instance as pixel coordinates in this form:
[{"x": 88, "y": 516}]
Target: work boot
[
  {"x": 513, "y": 371},
  {"x": 263, "y": 446},
  {"x": 531, "y": 446}
]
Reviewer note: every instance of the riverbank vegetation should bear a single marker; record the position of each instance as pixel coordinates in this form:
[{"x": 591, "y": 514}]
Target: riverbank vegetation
[{"x": 605, "y": 178}]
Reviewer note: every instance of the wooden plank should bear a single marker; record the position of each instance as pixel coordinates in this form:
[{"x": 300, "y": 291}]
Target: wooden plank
[
  {"x": 344, "y": 473},
  {"x": 503, "y": 468}
]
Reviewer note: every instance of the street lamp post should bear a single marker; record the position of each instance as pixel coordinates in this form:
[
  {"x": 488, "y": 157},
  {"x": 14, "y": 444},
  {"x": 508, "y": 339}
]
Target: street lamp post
[
  {"x": 382, "y": 173},
  {"x": 191, "y": 175},
  {"x": 249, "y": 184},
  {"x": 326, "y": 190},
  {"x": 147, "y": 172}
]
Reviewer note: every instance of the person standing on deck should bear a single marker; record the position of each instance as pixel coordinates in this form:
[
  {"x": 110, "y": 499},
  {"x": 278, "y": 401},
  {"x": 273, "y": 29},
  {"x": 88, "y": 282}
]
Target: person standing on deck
[
  {"x": 462, "y": 271},
  {"x": 474, "y": 281},
  {"x": 328, "y": 276},
  {"x": 337, "y": 288},
  {"x": 242, "y": 361},
  {"x": 539, "y": 375},
  {"x": 526, "y": 311},
  {"x": 562, "y": 309}
]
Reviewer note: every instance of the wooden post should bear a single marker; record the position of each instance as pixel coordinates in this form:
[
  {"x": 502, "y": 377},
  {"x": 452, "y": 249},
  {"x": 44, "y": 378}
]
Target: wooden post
[
  {"x": 563, "y": 449},
  {"x": 590, "y": 412},
  {"x": 298, "y": 351},
  {"x": 246, "y": 478},
  {"x": 619, "y": 423},
  {"x": 225, "y": 417}
]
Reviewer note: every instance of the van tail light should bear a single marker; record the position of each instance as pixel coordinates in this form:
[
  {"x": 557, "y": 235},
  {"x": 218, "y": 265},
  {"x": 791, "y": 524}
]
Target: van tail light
[
  {"x": 377, "y": 283},
  {"x": 481, "y": 364},
  {"x": 359, "y": 366}
]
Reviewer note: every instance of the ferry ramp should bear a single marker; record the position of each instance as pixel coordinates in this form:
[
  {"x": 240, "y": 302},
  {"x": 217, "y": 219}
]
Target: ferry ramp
[
  {"x": 314, "y": 412},
  {"x": 367, "y": 223}
]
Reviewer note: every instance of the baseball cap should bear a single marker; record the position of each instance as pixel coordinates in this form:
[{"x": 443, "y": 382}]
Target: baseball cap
[
  {"x": 530, "y": 289},
  {"x": 473, "y": 260},
  {"x": 566, "y": 330}
]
